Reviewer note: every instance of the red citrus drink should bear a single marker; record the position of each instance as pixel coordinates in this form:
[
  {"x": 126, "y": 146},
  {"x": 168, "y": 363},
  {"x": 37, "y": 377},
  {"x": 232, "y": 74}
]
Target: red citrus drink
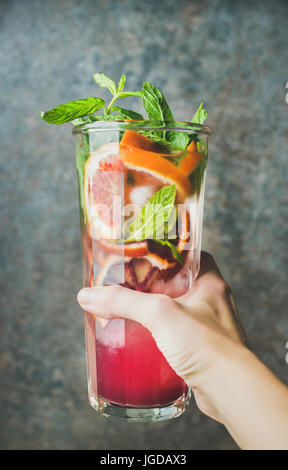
[
  {"x": 128, "y": 375},
  {"x": 141, "y": 187}
]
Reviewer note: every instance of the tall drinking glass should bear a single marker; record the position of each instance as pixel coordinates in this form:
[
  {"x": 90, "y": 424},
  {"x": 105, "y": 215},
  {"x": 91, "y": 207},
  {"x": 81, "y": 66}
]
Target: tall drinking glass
[{"x": 127, "y": 239}]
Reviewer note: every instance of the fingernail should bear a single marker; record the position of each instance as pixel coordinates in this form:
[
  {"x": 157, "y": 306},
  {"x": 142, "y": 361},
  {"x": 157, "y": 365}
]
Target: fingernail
[{"x": 85, "y": 296}]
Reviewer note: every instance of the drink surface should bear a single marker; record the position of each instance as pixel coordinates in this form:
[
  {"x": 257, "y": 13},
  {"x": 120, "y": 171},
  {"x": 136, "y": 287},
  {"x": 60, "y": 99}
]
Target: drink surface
[{"x": 127, "y": 188}]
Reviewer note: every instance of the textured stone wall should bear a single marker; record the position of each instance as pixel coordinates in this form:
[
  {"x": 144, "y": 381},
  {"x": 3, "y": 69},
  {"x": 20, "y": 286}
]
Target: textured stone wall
[{"x": 233, "y": 56}]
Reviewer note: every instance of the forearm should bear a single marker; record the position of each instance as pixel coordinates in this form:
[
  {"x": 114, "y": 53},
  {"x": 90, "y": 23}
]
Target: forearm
[{"x": 251, "y": 402}]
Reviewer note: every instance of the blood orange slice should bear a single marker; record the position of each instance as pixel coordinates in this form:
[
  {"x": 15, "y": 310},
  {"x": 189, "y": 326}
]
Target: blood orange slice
[
  {"x": 190, "y": 162},
  {"x": 132, "y": 250},
  {"x": 156, "y": 165},
  {"x": 136, "y": 273},
  {"x": 103, "y": 178},
  {"x": 134, "y": 139},
  {"x": 192, "y": 147}
]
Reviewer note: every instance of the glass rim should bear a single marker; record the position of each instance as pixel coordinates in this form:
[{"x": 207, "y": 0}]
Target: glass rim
[{"x": 137, "y": 125}]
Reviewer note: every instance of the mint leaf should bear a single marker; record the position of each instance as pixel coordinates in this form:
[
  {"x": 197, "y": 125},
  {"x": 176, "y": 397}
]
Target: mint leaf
[
  {"x": 198, "y": 118},
  {"x": 158, "y": 109},
  {"x": 105, "y": 82},
  {"x": 154, "y": 215},
  {"x": 121, "y": 83},
  {"x": 104, "y": 117},
  {"x": 155, "y": 103},
  {"x": 155, "y": 219},
  {"x": 177, "y": 255},
  {"x": 127, "y": 113},
  {"x": 72, "y": 110},
  {"x": 200, "y": 115},
  {"x": 179, "y": 140}
]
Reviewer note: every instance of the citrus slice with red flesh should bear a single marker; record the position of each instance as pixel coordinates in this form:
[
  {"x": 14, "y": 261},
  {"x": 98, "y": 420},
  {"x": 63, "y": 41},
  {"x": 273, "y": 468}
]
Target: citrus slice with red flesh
[
  {"x": 134, "y": 139},
  {"x": 191, "y": 160},
  {"x": 156, "y": 165},
  {"x": 188, "y": 164},
  {"x": 136, "y": 273},
  {"x": 192, "y": 147},
  {"x": 132, "y": 249},
  {"x": 103, "y": 172},
  {"x": 103, "y": 183}
]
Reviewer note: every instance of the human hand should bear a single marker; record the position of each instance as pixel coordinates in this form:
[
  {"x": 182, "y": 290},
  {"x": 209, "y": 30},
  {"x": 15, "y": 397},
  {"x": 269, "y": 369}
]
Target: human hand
[{"x": 195, "y": 332}]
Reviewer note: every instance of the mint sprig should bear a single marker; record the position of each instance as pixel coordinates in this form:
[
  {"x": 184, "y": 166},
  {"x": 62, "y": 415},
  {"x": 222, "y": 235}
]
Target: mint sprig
[
  {"x": 105, "y": 82},
  {"x": 82, "y": 111}
]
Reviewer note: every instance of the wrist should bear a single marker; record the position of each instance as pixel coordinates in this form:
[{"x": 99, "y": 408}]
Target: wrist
[
  {"x": 227, "y": 378},
  {"x": 247, "y": 398},
  {"x": 223, "y": 377}
]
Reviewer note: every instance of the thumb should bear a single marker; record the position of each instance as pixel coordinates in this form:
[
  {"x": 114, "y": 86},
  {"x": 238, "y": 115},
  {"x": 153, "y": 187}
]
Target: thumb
[{"x": 119, "y": 302}]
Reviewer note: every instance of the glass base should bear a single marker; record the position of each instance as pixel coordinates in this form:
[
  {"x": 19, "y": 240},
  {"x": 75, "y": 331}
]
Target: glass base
[{"x": 141, "y": 414}]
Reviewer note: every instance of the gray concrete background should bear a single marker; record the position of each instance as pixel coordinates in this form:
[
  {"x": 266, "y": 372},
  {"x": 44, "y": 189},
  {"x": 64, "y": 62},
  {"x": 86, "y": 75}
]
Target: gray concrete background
[{"x": 232, "y": 55}]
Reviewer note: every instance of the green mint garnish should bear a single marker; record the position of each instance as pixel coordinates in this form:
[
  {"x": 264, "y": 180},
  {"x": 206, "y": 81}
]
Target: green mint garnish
[
  {"x": 77, "y": 111},
  {"x": 72, "y": 110},
  {"x": 158, "y": 109},
  {"x": 153, "y": 216},
  {"x": 82, "y": 112},
  {"x": 179, "y": 140},
  {"x": 105, "y": 82},
  {"x": 156, "y": 219},
  {"x": 117, "y": 92},
  {"x": 200, "y": 115},
  {"x": 155, "y": 103}
]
